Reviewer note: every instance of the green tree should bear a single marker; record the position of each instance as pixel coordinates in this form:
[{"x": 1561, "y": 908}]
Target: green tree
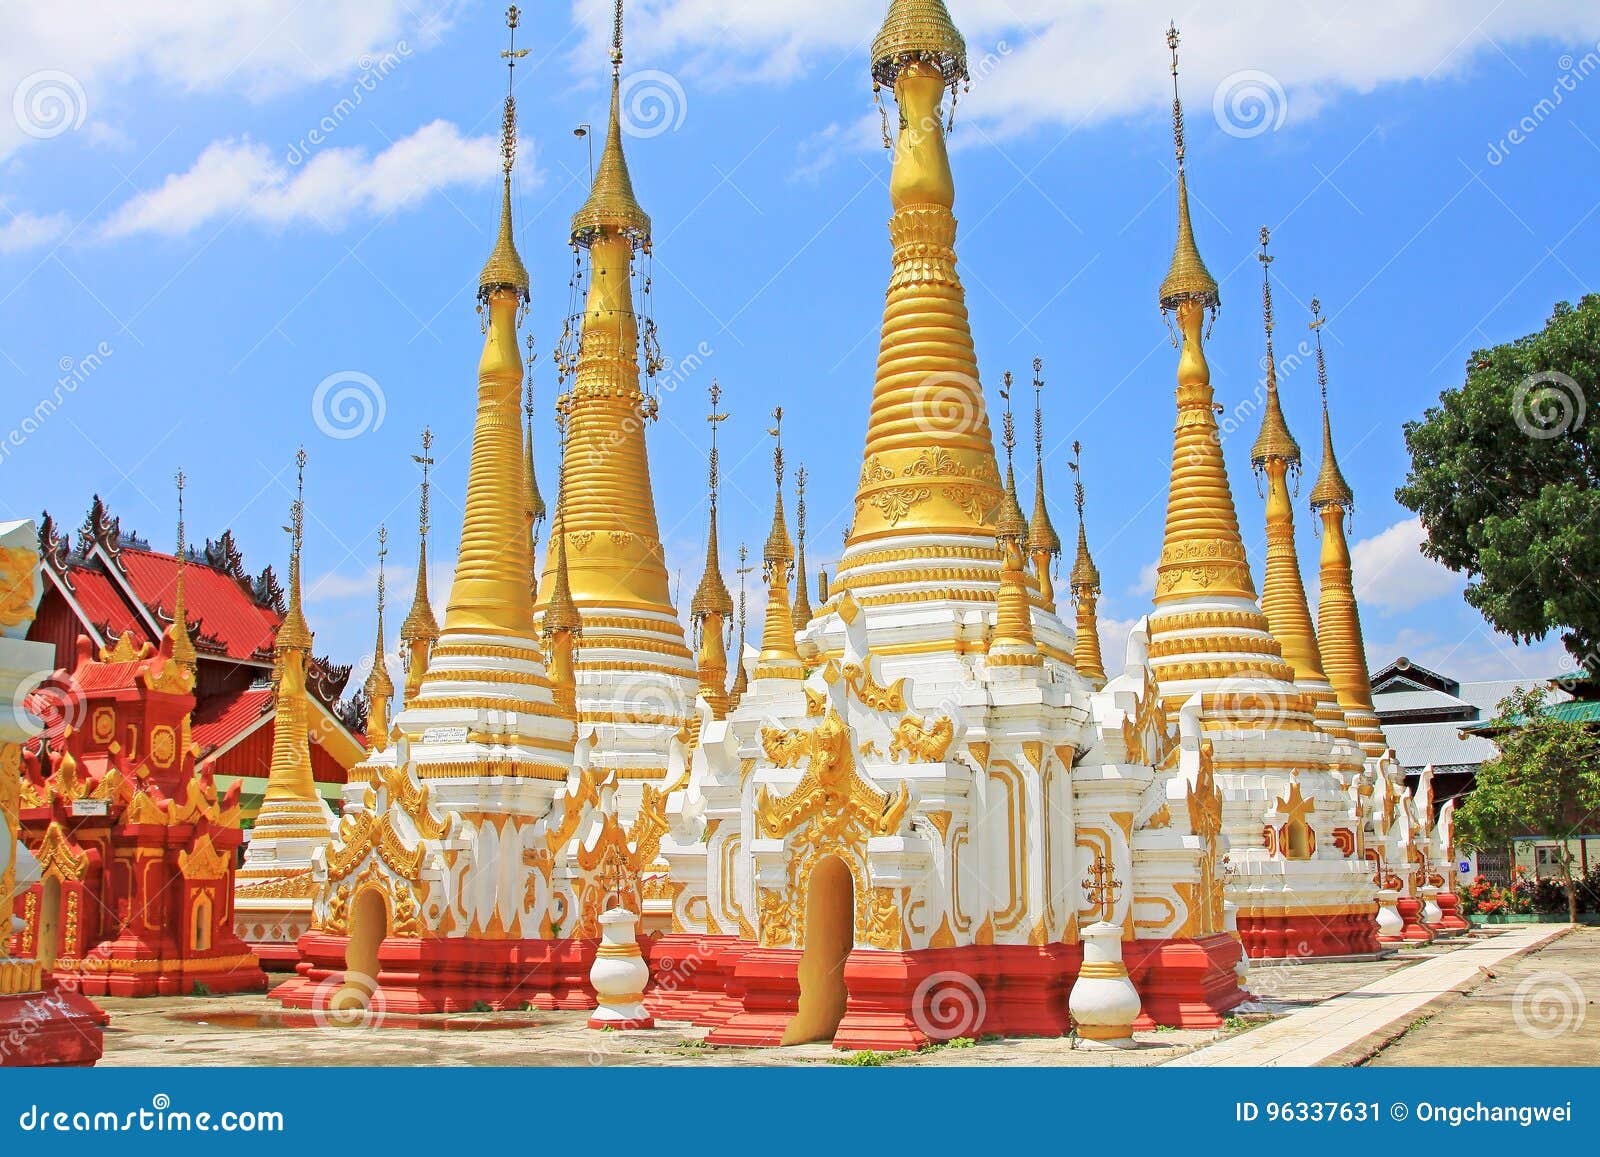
[
  {"x": 1505, "y": 474},
  {"x": 1544, "y": 782}
]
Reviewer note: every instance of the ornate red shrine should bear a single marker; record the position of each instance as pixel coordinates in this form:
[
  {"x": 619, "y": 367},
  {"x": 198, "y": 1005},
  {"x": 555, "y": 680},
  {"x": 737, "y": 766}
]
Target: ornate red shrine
[{"x": 136, "y": 850}]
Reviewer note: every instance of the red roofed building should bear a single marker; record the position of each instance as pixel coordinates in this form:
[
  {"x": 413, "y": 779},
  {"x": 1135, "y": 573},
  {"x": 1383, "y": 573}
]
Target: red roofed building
[{"x": 113, "y": 585}]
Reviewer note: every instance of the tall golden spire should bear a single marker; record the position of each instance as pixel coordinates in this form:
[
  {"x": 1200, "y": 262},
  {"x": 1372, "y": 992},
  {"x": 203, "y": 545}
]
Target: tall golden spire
[
  {"x": 1044, "y": 544},
  {"x": 1283, "y": 595},
  {"x": 928, "y": 467},
  {"x": 741, "y": 680},
  {"x": 1202, "y": 552},
  {"x": 289, "y": 777},
  {"x": 420, "y": 630},
  {"x": 380, "y": 688},
  {"x": 183, "y": 651},
  {"x": 606, "y": 468},
  {"x": 1344, "y": 652},
  {"x": 1205, "y": 596},
  {"x": 1013, "y": 643},
  {"x": 1085, "y": 580},
  {"x": 713, "y": 606},
  {"x": 779, "y": 659},
  {"x": 536, "y": 507},
  {"x": 489, "y": 596},
  {"x": 802, "y": 596}
]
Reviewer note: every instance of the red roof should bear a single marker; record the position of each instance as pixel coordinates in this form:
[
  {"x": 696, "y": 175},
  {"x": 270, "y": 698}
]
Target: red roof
[
  {"x": 217, "y": 604},
  {"x": 221, "y": 717},
  {"x": 105, "y": 605}
]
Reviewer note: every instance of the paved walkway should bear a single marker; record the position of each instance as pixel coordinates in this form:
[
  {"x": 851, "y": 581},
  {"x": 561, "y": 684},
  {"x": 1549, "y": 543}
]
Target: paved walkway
[{"x": 1339, "y": 1030}]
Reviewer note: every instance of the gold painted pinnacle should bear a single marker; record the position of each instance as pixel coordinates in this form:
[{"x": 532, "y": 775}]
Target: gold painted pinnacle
[{"x": 1275, "y": 441}]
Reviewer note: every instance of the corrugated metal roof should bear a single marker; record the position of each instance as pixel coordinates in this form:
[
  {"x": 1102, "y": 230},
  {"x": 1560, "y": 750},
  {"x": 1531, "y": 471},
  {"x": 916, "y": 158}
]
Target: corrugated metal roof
[
  {"x": 1419, "y": 744},
  {"x": 221, "y": 717},
  {"x": 1417, "y": 700}
]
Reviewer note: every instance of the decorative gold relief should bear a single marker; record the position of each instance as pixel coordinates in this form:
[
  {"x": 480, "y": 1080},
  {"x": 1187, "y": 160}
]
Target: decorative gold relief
[
  {"x": 1205, "y": 817},
  {"x": 163, "y": 747},
  {"x": 846, "y": 808},
  {"x": 16, "y": 585},
  {"x": 874, "y": 694},
  {"x": 920, "y": 743}
]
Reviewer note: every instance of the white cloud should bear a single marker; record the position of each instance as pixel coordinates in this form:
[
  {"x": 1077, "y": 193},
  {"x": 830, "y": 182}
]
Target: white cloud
[
  {"x": 1392, "y": 574},
  {"x": 29, "y": 230},
  {"x": 256, "y": 47},
  {"x": 1075, "y": 61},
  {"x": 244, "y": 178},
  {"x": 1146, "y": 585},
  {"x": 1114, "y": 644},
  {"x": 1481, "y": 655}
]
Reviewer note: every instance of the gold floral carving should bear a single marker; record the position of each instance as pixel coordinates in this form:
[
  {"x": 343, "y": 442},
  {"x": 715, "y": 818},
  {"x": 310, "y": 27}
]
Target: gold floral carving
[
  {"x": 816, "y": 703},
  {"x": 204, "y": 862},
  {"x": 920, "y": 743},
  {"x": 163, "y": 746},
  {"x": 16, "y": 585},
  {"x": 58, "y": 858},
  {"x": 896, "y": 502},
  {"x": 874, "y": 694},
  {"x": 843, "y": 806}
]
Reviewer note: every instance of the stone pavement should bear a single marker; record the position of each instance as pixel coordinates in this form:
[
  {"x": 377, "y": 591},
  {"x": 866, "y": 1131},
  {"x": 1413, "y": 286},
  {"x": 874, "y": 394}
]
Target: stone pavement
[
  {"x": 1539, "y": 1009},
  {"x": 1326, "y": 1013},
  {"x": 1347, "y": 1029}
]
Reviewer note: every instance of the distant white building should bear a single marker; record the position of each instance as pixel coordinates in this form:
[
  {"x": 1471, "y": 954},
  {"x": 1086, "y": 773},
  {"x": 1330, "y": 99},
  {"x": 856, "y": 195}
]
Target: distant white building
[{"x": 1424, "y": 715}]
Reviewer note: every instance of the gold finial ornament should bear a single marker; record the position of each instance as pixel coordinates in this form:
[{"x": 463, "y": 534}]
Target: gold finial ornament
[
  {"x": 712, "y": 606},
  {"x": 1085, "y": 580},
  {"x": 1331, "y": 488},
  {"x": 379, "y": 687},
  {"x": 290, "y": 778},
  {"x": 1012, "y": 527},
  {"x": 1187, "y": 279},
  {"x": 420, "y": 630},
  {"x": 802, "y": 596},
  {"x": 1274, "y": 441},
  {"x": 779, "y": 658},
  {"x": 294, "y": 634},
  {"x": 183, "y": 651},
  {"x": 504, "y": 270},
  {"x": 741, "y": 680},
  {"x": 1044, "y": 544}
]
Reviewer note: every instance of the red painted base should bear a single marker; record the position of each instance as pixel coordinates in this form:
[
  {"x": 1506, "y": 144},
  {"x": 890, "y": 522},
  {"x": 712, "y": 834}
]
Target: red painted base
[
  {"x": 1415, "y": 931},
  {"x": 687, "y": 977},
  {"x": 1302, "y": 936},
  {"x": 276, "y": 957},
  {"x": 906, "y": 999},
  {"x": 55, "y": 1027},
  {"x": 424, "y": 976},
  {"x": 1452, "y": 920},
  {"x": 121, "y": 967}
]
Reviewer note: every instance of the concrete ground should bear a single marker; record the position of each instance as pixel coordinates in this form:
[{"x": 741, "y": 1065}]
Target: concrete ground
[{"x": 1458, "y": 1029}]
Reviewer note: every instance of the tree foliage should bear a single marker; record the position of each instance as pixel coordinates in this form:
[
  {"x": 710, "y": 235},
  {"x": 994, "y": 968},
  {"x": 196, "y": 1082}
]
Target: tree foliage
[
  {"x": 1505, "y": 475},
  {"x": 1545, "y": 781}
]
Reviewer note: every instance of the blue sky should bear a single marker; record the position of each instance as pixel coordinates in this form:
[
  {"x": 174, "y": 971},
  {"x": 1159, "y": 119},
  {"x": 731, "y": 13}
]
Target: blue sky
[{"x": 175, "y": 242}]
